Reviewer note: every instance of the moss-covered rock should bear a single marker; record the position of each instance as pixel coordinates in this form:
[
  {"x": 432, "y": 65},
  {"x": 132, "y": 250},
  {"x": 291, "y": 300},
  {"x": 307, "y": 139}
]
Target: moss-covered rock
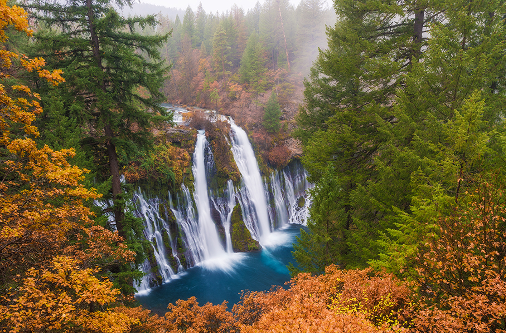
[
  {"x": 156, "y": 278},
  {"x": 181, "y": 251},
  {"x": 301, "y": 202},
  {"x": 215, "y": 216},
  {"x": 168, "y": 250},
  {"x": 167, "y": 165},
  {"x": 223, "y": 158},
  {"x": 172, "y": 222},
  {"x": 240, "y": 235}
]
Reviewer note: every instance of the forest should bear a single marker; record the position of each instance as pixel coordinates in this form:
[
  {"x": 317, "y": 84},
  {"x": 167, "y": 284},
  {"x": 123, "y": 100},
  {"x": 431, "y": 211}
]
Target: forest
[{"x": 396, "y": 106}]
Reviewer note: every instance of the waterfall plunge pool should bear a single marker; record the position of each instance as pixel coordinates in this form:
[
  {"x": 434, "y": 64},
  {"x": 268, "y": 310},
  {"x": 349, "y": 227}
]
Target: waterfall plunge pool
[{"x": 225, "y": 281}]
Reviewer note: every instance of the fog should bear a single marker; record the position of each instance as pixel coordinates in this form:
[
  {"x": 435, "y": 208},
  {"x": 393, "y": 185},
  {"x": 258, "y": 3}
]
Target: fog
[{"x": 212, "y": 6}]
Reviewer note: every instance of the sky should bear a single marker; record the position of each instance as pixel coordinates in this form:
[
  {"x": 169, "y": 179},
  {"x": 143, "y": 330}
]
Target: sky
[{"x": 209, "y": 5}]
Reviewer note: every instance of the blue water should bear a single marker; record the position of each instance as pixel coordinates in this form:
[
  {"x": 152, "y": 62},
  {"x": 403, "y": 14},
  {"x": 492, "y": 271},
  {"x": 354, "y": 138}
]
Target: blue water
[{"x": 257, "y": 271}]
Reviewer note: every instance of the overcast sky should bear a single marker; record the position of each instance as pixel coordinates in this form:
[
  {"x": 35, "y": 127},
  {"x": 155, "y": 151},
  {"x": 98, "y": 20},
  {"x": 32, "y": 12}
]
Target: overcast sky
[{"x": 209, "y": 5}]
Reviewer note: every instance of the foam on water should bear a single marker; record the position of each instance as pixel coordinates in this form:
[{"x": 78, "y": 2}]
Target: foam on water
[{"x": 226, "y": 263}]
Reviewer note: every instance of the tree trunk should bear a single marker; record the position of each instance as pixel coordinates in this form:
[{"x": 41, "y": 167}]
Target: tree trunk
[
  {"x": 109, "y": 134},
  {"x": 418, "y": 32},
  {"x": 284, "y": 36},
  {"x": 116, "y": 183}
]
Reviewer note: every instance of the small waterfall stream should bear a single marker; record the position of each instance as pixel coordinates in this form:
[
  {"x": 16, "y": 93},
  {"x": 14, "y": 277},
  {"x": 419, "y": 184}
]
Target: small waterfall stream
[
  {"x": 224, "y": 206},
  {"x": 187, "y": 233}
]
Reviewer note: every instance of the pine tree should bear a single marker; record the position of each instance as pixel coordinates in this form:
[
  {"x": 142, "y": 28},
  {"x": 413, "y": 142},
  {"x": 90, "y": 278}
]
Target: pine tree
[
  {"x": 403, "y": 139},
  {"x": 348, "y": 96},
  {"x": 253, "y": 64},
  {"x": 221, "y": 51},
  {"x": 449, "y": 120},
  {"x": 321, "y": 245},
  {"x": 189, "y": 26},
  {"x": 106, "y": 64},
  {"x": 272, "y": 113},
  {"x": 200, "y": 25}
]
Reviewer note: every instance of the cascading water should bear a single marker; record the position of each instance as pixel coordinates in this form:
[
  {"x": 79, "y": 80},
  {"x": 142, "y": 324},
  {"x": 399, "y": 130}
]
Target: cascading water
[
  {"x": 185, "y": 216},
  {"x": 290, "y": 195},
  {"x": 154, "y": 226},
  {"x": 225, "y": 205},
  {"x": 279, "y": 200},
  {"x": 252, "y": 195},
  {"x": 188, "y": 233},
  {"x": 211, "y": 245}
]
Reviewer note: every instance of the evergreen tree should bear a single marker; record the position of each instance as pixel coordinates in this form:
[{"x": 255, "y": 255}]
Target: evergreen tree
[
  {"x": 253, "y": 64},
  {"x": 348, "y": 98},
  {"x": 272, "y": 113},
  {"x": 450, "y": 116},
  {"x": 403, "y": 139},
  {"x": 319, "y": 247},
  {"x": 106, "y": 70},
  {"x": 200, "y": 25},
  {"x": 212, "y": 23},
  {"x": 221, "y": 51},
  {"x": 189, "y": 26}
]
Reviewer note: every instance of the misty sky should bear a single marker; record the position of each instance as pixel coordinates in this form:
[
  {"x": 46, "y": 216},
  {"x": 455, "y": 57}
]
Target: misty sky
[{"x": 210, "y": 5}]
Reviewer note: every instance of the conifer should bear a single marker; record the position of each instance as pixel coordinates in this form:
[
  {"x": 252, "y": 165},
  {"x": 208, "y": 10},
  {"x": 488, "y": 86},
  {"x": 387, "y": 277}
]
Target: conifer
[{"x": 272, "y": 113}]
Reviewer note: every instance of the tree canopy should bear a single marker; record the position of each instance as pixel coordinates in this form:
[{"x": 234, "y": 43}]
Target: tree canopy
[
  {"x": 404, "y": 124},
  {"x": 114, "y": 75}
]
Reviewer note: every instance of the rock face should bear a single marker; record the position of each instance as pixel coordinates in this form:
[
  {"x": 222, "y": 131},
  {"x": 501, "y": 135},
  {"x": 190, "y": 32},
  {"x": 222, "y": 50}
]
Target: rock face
[
  {"x": 241, "y": 237},
  {"x": 295, "y": 147}
]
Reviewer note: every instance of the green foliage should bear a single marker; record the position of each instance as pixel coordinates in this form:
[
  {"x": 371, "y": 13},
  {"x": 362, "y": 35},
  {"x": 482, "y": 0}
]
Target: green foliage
[
  {"x": 240, "y": 235},
  {"x": 189, "y": 25},
  {"x": 272, "y": 113},
  {"x": 221, "y": 51},
  {"x": 224, "y": 159},
  {"x": 406, "y": 139},
  {"x": 253, "y": 64},
  {"x": 320, "y": 246},
  {"x": 113, "y": 79},
  {"x": 109, "y": 103}
]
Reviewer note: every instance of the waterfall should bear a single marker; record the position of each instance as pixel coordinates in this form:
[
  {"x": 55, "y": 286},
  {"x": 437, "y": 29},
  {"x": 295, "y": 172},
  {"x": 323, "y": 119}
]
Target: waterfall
[
  {"x": 184, "y": 228},
  {"x": 279, "y": 200},
  {"x": 154, "y": 227},
  {"x": 212, "y": 247},
  {"x": 297, "y": 187},
  {"x": 186, "y": 219},
  {"x": 253, "y": 198}
]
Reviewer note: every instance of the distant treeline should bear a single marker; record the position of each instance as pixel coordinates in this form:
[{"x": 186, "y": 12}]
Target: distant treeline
[{"x": 217, "y": 58}]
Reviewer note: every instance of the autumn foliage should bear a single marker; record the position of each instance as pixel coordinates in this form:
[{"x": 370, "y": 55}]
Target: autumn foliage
[
  {"x": 338, "y": 301},
  {"x": 461, "y": 269},
  {"x": 53, "y": 259},
  {"x": 165, "y": 164},
  {"x": 56, "y": 263}
]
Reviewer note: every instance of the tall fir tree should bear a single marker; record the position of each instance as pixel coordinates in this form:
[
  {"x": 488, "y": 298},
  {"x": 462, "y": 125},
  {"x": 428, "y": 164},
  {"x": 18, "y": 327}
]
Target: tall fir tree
[
  {"x": 396, "y": 134},
  {"x": 189, "y": 29},
  {"x": 349, "y": 95},
  {"x": 253, "y": 63},
  {"x": 221, "y": 51},
  {"x": 450, "y": 116},
  {"x": 114, "y": 75}
]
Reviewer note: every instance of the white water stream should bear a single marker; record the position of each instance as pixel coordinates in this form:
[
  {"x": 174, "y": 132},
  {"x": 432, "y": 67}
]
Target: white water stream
[{"x": 254, "y": 194}]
